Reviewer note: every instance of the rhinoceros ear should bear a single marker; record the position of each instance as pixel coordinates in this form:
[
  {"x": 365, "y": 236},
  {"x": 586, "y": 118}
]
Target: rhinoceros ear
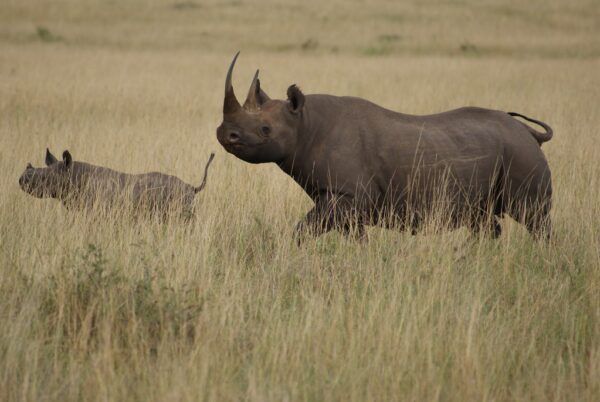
[
  {"x": 67, "y": 159},
  {"x": 295, "y": 99},
  {"x": 50, "y": 159}
]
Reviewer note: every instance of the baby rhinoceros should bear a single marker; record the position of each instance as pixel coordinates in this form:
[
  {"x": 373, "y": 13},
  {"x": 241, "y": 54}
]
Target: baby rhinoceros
[{"x": 82, "y": 185}]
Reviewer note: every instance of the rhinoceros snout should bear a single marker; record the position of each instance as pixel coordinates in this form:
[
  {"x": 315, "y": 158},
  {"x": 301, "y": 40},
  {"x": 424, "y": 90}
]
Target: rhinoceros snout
[
  {"x": 25, "y": 178},
  {"x": 25, "y": 183}
]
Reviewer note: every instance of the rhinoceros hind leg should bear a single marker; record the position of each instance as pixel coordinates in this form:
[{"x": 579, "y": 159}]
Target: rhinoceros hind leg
[
  {"x": 497, "y": 228},
  {"x": 539, "y": 225},
  {"x": 489, "y": 226}
]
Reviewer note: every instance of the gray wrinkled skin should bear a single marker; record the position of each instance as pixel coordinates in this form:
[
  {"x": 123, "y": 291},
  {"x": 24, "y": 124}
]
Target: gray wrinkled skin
[
  {"x": 82, "y": 185},
  {"x": 362, "y": 164}
]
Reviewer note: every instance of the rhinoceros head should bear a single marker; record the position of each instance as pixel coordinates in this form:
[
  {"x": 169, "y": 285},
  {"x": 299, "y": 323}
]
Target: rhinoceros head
[
  {"x": 263, "y": 129},
  {"x": 51, "y": 181}
]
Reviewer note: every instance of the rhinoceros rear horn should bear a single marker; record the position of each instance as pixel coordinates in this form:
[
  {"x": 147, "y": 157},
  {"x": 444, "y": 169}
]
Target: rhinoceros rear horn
[
  {"x": 251, "y": 100},
  {"x": 231, "y": 104},
  {"x": 256, "y": 96}
]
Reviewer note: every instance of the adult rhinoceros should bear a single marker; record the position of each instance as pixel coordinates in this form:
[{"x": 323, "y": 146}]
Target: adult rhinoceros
[{"x": 362, "y": 164}]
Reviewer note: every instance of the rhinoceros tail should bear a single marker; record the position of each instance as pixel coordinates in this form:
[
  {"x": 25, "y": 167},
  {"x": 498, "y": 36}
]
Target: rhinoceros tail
[
  {"x": 201, "y": 186},
  {"x": 540, "y": 137}
]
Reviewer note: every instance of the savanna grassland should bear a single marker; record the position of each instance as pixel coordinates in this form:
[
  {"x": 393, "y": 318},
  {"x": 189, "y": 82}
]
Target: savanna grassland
[{"x": 103, "y": 307}]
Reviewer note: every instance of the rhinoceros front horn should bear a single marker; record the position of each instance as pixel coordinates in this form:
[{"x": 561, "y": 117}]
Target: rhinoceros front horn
[{"x": 231, "y": 104}]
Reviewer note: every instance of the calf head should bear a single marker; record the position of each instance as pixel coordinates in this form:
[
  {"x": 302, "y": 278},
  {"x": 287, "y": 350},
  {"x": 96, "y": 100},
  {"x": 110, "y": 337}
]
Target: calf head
[
  {"x": 53, "y": 181},
  {"x": 263, "y": 129}
]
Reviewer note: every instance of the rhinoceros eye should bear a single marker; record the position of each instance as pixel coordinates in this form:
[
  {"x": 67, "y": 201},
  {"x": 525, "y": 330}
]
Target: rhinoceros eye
[{"x": 266, "y": 130}]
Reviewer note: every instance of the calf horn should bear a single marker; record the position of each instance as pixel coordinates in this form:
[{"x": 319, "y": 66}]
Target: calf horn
[{"x": 231, "y": 104}]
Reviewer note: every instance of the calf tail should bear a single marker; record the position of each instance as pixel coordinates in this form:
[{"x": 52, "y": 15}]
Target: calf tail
[
  {"x": 201, "y": 186},
  {"x": 540, "y": 137}
]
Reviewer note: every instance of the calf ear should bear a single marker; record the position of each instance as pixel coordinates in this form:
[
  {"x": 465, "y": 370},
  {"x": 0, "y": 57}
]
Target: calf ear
[
  {"x": 295, "y": 99},
  {"x": 50, "y": 159},
  {"x": 67, "y": 159}
]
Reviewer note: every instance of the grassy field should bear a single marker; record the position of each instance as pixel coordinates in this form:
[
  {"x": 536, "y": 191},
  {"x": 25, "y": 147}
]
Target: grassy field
[{"x": 227, "y": 307}]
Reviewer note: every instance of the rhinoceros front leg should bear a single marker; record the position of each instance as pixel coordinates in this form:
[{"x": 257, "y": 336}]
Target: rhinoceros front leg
[{"x": 331, "y": 212}]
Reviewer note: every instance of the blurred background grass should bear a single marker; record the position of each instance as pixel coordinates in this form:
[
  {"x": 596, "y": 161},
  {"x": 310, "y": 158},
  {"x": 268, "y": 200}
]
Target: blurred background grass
[{"x": 552, "y": 29}]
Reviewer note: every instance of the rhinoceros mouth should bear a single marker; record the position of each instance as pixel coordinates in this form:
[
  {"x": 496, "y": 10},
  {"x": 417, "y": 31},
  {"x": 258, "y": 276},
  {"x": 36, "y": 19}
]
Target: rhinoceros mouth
[{"x": 238, "y": 146}]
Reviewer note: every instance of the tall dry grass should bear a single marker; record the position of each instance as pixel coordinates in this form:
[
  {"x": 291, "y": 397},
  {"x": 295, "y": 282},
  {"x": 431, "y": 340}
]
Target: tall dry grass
[{"x": 96, "y": 307}]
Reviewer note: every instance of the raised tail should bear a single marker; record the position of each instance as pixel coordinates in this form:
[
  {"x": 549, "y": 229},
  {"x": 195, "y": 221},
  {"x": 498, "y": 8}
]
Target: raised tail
[
  {"x": 201, "y": 186},
  {"x": 540, "y": 137}
]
